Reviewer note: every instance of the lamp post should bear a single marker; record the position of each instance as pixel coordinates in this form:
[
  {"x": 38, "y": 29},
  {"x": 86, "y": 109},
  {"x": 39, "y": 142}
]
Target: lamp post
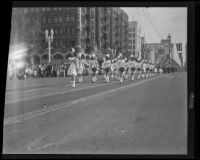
[{"x": 49, "y": 40}]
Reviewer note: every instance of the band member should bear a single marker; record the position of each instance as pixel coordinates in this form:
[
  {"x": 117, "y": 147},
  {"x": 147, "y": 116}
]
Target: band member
[
  {"x": 106, "y": 66},
  {"x": 144, "y": 68},
  {"x": 81, "y": 66},
  {"x": 139, "y": 68},
  {"x": 112, "y": 68},
  {"x": 87, "y": 67},
  {"x": 133, "y": 68},
  {"x": 72, "y": 71},
  {"x": 127, "y": 63},
  {"x": 94, "y": 67},
  {"x": 121, "y": 67}
]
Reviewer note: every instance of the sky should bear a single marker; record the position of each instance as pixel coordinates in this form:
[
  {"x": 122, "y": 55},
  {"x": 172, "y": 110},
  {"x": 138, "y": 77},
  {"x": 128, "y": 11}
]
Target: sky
[{"x": 158, "y": 22}]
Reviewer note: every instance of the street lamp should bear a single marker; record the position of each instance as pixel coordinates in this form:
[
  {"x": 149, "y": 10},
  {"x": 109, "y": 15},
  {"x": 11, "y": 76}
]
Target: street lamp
[{"x": 49, "y": 40}]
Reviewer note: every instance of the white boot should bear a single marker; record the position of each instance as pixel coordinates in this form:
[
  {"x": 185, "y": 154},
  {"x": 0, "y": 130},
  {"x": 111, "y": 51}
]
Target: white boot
[
  {"x": 95, "y": 78},
  {"x": 92, "y": 79},
  {"x": 121, "y": 80},
  {"x": 132, "y": 78},
  {"x": 73, "y": 84},
  {"x": 108, "y": 79}
]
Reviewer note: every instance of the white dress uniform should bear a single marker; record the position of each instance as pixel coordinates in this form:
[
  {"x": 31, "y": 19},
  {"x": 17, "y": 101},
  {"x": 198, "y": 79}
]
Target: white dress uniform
[
  {"x": 80, "y": 66},
  {"x": 73, "y": 66}
]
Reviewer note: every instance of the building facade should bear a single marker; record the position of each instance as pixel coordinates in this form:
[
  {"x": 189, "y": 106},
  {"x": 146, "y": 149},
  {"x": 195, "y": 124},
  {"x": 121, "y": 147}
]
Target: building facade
[
  {"x": 135, "y": 39},
  {"x": 90, "y": 28},
  {"x": 160, "y": 51}
]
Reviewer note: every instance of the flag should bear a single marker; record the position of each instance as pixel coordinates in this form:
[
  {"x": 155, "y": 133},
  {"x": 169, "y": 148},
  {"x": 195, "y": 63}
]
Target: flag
[
  {"x": 181, "y": 58},
  {"x": 179, "y": 47}
]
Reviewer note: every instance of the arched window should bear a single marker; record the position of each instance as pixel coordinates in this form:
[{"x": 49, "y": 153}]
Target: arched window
[
  {"x": 36, "y": 59},
  {"x": 67, "y": 18},
  {"x": 43, "y": 20},
  {"x": 60, "y": 19},
  {"x": 55, "y": 19},
  {"x": 58, "y": 56},
  {"x": 45, "y": 57},
  {"x": 72, "y": 18}
]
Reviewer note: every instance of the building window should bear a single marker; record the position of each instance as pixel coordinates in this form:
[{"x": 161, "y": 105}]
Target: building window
[
  {"x": 55, "y": 8},
  {"x": 67, "y": 30},
  {"x": 36, "y": 9},
  {"x": 92, "y": 13},
  {"x": 32, "y": 9},
  {"x": 72, "y": 18},
  {"x": 92, "y": 35},
  {"x": 37, "y": 21},
  {"x": 48, "y": 9},
  {"x": 56, "y": 32},
  {"x": 48, "y": 20},
  {"x": 60, "y": 8},
  {"x": 43, "y": 20},
  {"x": 25, "y": 10},
  {"x": 43, "y": 9},
  {"x": 60, "y": 31},
  {"x": 66, "y": 8},
  {"x": 67, "y": 18},
  {"x": 72, "y": 30},
  {"x": 60, "y": 19},
  {"x": 55, "y": 20}
]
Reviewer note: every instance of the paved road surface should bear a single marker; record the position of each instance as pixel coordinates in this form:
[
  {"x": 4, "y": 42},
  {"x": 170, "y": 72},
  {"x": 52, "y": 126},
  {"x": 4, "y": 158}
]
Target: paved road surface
[{"x": 141, "y": 117}]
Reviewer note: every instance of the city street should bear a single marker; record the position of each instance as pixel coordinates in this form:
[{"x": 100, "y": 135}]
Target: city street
[{"x": 147, "y": 116}]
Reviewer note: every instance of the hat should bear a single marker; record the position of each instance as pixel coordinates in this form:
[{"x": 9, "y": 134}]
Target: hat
[
  {"x": 73, "y": 50},
  {"x": 107, "y": 55}
]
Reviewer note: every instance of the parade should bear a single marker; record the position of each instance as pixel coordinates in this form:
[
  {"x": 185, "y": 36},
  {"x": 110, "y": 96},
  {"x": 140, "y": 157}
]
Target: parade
[{"x": 81, "y": 64}]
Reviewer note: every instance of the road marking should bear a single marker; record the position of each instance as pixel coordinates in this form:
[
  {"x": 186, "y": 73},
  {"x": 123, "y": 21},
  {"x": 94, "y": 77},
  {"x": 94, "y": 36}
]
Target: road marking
[{"x": 26, "y": 116}]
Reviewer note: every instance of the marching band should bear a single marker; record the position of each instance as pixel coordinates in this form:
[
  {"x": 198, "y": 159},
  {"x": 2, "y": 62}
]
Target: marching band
[{"x": 119, "y": 68}]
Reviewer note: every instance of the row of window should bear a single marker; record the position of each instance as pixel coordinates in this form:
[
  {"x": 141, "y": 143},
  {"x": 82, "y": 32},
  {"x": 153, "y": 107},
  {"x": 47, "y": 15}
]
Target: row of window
[
  {"x": 58, "y": 19},
  {"x": 58, "y": 30},
  {"x": 60, "y": 43},
  {"x": 47, "y": 9}
]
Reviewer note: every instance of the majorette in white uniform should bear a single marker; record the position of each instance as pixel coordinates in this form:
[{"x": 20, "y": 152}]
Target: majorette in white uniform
[
  {"x": 133, "y": 68},
  {"x": 144, "y": 69},
  {"x": 126, "y": 73},
  {"x": 94, "y": 67},
  {"x": 139, "y": 69},
  {"x": 72, "y": 71},
  {"x": 106, "y": 66},
  {"x": 121, "y": 67},
  {"x": 112, "y": 67},
  {"x": 81, "y": 66}
]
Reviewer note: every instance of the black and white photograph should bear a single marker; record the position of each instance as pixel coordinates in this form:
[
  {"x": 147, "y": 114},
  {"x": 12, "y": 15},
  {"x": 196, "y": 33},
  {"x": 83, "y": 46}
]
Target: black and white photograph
[{"x": 97, "y": 80}]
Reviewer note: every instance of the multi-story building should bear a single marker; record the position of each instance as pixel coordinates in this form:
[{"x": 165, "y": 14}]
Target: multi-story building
[
  {"x": 90, "y": 28},
  {"x": 135, "y": 36},
  {"x": 160, "y": 51}
]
